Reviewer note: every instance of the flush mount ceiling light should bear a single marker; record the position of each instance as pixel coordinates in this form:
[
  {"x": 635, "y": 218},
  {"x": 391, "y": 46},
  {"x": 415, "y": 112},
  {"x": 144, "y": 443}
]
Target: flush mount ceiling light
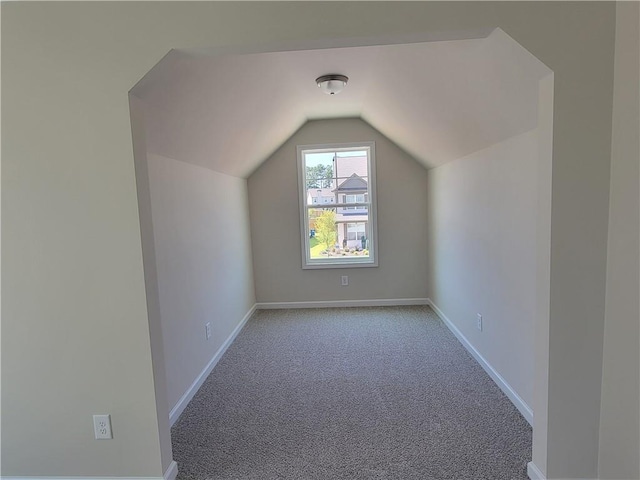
[{"x": 332, "y": 83}]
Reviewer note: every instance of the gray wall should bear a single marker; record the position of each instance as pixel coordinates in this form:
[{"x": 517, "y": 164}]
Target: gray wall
[
  {"x": 620, "y": 417},
  {"x": 482, "y": 253},
  {"x": 71, "y": 248},
  {"x": 203, "y": 260},
  {"x": 402, "y": 226}
]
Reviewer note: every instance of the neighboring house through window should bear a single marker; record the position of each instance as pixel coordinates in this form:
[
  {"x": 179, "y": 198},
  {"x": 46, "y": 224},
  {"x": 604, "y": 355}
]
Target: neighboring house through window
[{"x": 337, "y": 205}]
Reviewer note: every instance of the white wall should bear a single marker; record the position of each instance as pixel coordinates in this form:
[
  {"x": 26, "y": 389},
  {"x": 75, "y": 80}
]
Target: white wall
[
  {"x": 482, "y": 253},
  {"x": 620, "y": 410},
  {"x": 402, "y": 226},
  {"x": 138, "y": 130},
  {"x": 72, "y": 260},
  {"x": 203, "y": 260}
]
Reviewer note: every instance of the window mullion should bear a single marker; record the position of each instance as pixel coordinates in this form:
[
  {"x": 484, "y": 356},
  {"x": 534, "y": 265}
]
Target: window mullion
[{"x": 338, "y": 205}]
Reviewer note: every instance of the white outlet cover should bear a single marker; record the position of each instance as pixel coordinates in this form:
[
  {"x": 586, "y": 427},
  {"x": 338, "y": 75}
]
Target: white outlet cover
[
  {"x": 102, "y": 427},
  {"x": 345, "y": 280}
]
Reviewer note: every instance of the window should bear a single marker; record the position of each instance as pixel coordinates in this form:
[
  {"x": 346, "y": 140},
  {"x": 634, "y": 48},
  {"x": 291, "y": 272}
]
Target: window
[
  {"x": 353, "y": 199},
  {"x": 355, "y": 231},
  {"x": 337, "y": 205}
]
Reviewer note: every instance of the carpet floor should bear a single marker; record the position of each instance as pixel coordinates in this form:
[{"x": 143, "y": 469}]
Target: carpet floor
[{"x": 350, "y": 393}]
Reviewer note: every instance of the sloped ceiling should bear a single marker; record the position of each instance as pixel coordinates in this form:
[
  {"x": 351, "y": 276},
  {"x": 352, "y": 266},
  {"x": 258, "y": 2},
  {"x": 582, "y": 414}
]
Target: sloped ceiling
[{"x": 437, "y": 100}]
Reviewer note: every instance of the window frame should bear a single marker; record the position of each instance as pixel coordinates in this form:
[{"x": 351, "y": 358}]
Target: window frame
[{"x": 370, "y": 203}]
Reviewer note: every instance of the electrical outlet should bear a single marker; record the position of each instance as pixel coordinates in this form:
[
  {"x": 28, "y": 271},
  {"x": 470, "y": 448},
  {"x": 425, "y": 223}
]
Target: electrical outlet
[
  {"x": 479, "y": 321},
  {"x": 345, "y": 280},
  {"x": 207, "y": 329},
  {"x": 102, "y": 427}
]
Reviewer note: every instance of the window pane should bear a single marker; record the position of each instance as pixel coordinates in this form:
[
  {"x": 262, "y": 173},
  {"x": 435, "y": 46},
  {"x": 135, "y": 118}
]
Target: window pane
[
  {"x": 319, "y": 170},
  {"x": 336, "y": 234}
]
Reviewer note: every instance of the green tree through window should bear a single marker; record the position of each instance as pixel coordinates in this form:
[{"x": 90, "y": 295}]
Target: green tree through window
[
  {"x": 319, "y": 176},
  {"x": 326, "y": 228}
]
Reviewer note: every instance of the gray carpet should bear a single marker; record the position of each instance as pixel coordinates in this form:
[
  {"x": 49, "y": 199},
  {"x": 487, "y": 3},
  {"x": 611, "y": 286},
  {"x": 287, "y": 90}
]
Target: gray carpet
[{"x": 351, "y": 393}]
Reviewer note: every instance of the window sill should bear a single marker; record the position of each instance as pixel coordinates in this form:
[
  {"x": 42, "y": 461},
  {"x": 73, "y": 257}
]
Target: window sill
[{"x": 318, "y": 266}]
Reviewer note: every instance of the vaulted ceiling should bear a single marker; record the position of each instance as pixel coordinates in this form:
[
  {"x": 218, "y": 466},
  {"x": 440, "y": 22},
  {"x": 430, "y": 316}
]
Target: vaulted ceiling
[{"x": 438, "y": 100}]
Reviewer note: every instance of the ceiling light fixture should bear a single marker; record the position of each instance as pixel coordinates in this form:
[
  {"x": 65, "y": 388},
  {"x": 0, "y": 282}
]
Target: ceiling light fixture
[{"x": 332, "y": 83}]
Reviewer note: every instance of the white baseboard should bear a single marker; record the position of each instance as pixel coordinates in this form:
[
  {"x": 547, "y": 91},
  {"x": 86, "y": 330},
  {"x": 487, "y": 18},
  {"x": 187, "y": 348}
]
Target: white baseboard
[
  {"x": 534, "y": 472},
  {"x": 172, "y": 471},
  {"x": 170, "y": 474},
  {"x": 175, "y": 412},
  {"x": 81, "y": 478},
  {"x": 376, "y": 302},
  {"x": 520, "y": 404}
]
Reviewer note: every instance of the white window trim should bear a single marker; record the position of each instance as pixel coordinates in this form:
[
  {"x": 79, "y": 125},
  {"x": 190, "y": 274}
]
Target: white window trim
[{"x": 352, "y": 262}]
